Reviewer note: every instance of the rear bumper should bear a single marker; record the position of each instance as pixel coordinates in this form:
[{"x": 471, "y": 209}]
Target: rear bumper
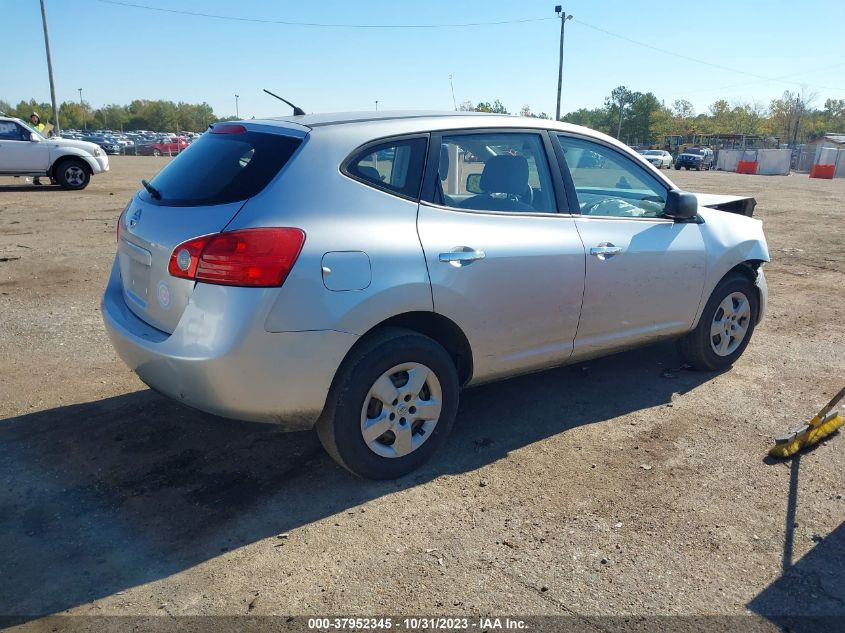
[{"x": 221, "y": 360}]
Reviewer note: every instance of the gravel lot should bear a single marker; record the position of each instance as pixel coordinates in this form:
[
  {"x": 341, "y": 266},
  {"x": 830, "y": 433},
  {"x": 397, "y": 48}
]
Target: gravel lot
[{"x": 607, "y": 488}]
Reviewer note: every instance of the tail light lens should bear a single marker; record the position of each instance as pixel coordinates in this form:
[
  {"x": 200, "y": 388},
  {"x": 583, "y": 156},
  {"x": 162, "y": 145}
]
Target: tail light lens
[
  {"x": 119, "y": 228},
  {"x": 249, "y": 257}
]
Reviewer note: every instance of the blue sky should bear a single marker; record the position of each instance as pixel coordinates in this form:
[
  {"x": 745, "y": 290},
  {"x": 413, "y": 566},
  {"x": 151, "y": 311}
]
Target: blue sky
[{"x": 117, "y": 53}]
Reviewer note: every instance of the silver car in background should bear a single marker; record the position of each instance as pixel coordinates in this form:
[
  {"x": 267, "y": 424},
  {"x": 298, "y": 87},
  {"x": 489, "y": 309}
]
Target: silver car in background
[
  {"x": 660, "y": 158},
  {"x": 353, "y": 272}
]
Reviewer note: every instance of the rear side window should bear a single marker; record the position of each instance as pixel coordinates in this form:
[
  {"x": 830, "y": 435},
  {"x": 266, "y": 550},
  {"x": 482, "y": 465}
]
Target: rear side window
[
  {"x": 395, "y": 166},
  {"x": 222, "y": 168}
]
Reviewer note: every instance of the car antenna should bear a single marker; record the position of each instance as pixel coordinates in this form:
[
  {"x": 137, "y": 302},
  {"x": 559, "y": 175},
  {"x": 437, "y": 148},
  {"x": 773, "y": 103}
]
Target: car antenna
[{"x": 297, "y": 111}]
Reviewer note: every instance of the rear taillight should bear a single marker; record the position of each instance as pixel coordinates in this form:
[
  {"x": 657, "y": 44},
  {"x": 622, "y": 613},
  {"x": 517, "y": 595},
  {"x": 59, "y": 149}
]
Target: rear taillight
[
  {"x": 119, "y": 227},
  {"x": 249, "y": 257}
]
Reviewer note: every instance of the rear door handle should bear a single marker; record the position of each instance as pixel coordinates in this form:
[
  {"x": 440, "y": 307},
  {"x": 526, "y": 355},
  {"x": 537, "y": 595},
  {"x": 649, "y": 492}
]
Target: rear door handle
[
  {"x": 461, "y": 256},
  {"x": 605, "y": 250}
]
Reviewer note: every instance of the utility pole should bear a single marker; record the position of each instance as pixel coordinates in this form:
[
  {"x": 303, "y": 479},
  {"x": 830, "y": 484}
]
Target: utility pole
[
  {"x": 452, "y": 86},
  {"x": 237, "y": 115},
  {"x": 58, "y": 131},
  {"x": 563, "y": 18},
  {"x": 82, "y": 110}
]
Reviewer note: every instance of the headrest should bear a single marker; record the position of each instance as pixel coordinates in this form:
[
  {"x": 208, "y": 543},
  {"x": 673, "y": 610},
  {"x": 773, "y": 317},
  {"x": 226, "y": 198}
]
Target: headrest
[{"x": 505, "y": 174}]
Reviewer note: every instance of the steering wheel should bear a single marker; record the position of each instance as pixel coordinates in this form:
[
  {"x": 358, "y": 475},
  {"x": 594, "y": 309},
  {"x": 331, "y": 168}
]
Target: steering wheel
[{"x": 528, "y": 196}]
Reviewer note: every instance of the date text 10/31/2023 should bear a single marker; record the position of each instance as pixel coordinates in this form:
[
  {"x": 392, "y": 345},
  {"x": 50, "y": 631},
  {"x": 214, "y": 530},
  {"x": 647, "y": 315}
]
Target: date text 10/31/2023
[{"x": 420, "y": 623}]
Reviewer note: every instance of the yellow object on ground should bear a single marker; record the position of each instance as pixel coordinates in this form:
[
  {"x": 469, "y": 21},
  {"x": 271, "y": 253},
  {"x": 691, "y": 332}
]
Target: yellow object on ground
[{"x": 811, "y": 433}]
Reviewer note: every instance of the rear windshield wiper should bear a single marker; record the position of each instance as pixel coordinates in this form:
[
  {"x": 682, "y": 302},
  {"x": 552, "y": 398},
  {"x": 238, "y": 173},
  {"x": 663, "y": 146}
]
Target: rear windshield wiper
[{"x": 155, "y": 193}]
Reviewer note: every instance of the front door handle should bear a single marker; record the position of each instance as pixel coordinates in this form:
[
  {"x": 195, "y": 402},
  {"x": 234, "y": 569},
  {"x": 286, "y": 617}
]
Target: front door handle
[
  {"x": 461, "y": 256},
  {"x": 605, "y": 250}
]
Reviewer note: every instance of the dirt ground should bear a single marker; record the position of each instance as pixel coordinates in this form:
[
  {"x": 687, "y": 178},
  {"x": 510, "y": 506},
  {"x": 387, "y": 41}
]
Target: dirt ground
[{"x": 603, "y": 489}]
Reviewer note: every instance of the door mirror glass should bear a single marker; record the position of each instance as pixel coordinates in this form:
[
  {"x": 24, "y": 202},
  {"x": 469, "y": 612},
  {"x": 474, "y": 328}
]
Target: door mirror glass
[
  {"x": 681, "y": 205},
  {"x": 474, "y": 184}
]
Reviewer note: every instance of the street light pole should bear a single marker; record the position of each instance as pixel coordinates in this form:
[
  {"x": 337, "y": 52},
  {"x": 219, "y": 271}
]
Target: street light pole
[
  {"x": 237, "y": 115},
  {"x": 563, "y": 18},
  {"x": 58, "y": 131},
  {"x": 376, "y": 105},
  {"x": 82, "y": 110}
]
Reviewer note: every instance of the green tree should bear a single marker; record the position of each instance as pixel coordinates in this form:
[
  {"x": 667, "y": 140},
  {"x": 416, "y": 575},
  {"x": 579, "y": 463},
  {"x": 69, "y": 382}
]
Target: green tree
[
  {"x": 620, "y": 98},
  {"x": 595, "y": 119}
]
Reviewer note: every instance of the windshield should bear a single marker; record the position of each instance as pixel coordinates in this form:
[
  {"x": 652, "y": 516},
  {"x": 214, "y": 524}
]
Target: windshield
[
  {"x": 652, "y": 152},
  {"x": 694, "y": 150}
]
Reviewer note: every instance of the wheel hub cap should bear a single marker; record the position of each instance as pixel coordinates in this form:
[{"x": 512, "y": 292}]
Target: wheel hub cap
[{"x": 401, "y": 410}]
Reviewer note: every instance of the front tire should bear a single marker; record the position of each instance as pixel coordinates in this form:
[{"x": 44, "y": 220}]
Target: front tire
[
  {"x": 725, "y": 326},
  {"x": 391, "y": 406},
  {"x": 156, "y": 152},
  {"x": 72, "y": 174}
]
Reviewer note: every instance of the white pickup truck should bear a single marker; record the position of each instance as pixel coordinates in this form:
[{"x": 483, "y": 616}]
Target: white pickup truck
[{"x": 25, "y": 152}]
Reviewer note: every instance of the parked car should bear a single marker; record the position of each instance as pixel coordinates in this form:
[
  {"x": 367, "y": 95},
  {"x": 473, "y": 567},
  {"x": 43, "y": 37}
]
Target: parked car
[
  {"x": 164, "y": 146},
  {"x": 108, "y": 145},
  {"x": 658, "y": 157},
  {"x": 273, "y": 274},
  {"x": 695, "y": 158},
  {"x": 69, "y": 162}
]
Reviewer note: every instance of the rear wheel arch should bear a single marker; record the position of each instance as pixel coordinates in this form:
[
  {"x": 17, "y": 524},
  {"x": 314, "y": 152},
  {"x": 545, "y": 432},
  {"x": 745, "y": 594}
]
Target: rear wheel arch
[{"x": 438, "y": 328}]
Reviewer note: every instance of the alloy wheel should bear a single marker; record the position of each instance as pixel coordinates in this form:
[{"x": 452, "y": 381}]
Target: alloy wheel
[{"x": 730, "y": 324}]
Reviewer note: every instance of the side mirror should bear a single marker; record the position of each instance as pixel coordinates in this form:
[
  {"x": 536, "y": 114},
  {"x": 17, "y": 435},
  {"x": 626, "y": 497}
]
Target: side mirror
[
  {"x": 681, "y": 205},
  {"x": 474, "y": 183},
  {"x": 33, "y": 137}
]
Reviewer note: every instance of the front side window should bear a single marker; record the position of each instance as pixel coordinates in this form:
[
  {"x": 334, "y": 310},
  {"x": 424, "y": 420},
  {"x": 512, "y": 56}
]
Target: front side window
[
  {"x": 505, "y": 171},
  {"x": 395, "y": 166},
  {"x": 610, "y": 184},
  {"x": 11, "y": 131}
]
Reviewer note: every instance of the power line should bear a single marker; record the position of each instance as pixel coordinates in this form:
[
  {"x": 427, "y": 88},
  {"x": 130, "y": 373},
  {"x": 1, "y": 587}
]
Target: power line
[
  {"x": 319, "y": 24},
  {"x": 696, "y": 60}
]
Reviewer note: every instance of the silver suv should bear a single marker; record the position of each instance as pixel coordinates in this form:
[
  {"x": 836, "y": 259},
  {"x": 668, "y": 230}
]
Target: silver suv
[{"x": 354, "y": 272}]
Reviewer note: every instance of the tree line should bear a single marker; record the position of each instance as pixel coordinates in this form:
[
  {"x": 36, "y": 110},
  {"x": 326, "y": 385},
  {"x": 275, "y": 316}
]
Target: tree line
[
  {"x": 141, "y": 114},
  {"x": 636, "y": 118},
  {"x": 640, "y": 118}
]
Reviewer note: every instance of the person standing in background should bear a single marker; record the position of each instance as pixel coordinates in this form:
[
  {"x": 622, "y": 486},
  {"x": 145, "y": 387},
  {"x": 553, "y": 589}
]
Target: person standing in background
[{"x": 35, "y": 120}]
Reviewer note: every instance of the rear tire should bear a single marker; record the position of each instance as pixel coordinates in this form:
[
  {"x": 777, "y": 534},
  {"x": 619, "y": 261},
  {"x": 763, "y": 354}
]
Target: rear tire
[
  {"x": 725, "y": 326},
  {"x": 156, "y": 152},
  {"x": 72, "y": 173},
  {"x": 391, "y": 406}
]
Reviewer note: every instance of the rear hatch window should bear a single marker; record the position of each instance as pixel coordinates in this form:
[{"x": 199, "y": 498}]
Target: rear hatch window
[{"x": 219, "y": 168}]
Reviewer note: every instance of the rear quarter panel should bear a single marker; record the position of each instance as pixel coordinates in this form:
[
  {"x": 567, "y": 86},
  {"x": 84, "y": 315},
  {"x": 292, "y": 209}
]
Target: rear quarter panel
[{"x": 340, "y": 215}]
